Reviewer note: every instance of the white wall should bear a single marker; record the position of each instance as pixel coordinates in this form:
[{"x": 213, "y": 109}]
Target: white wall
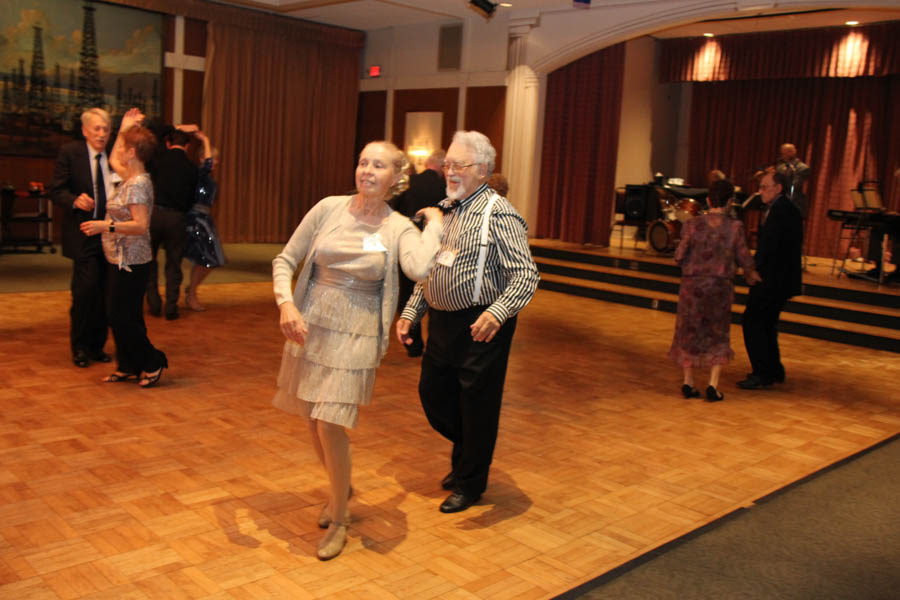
[
  {"x": 408, "y": 56},
  {"x": 636, "y": 124}
]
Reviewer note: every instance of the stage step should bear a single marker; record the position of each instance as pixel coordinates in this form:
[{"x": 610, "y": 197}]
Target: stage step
[{"x": 858, "y": 317}]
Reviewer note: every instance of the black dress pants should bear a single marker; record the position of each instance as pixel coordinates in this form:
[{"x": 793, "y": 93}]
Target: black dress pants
[
  {"x": 461, "y": 388},
  {"x": 124, "y": 307},
  {"x": 88, "y": 326},
  {"x": 167, "y": 229},
  {"x": 760, "y": 322}
]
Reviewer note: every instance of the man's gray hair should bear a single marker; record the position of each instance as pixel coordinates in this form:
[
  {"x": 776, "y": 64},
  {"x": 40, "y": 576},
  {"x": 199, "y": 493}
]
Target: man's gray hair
[
  {"x": 436, "y": 159},
  {"x": 95, "y": 112},
  {"x": 479, "y": 145}
]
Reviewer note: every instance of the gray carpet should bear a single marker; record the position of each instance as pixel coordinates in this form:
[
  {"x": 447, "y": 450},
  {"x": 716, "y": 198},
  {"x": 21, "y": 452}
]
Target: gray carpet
[{"x": 835, "y": 535}]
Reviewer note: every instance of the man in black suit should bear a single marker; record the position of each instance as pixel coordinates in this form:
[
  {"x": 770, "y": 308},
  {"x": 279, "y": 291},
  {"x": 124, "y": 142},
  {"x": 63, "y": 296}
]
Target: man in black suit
[
  {"x": 425, "y": 189},
  {"x": 778, "y": 262},
  {"x": 175, "y": 185},
  {"x": 80, "y": 186}
]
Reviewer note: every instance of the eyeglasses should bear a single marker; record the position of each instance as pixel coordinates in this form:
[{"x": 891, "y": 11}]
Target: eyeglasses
[{"x": 456, "y": 167}]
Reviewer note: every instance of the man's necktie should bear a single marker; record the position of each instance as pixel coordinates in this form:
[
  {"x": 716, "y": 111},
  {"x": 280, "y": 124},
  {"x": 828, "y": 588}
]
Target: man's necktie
[{"x": 100, "y": 199}]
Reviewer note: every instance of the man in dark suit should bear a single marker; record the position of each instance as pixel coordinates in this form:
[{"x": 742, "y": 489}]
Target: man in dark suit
[
  {"x": 425, "y": 189},
  {"x": 80, "y": 186},
  {"x": 778, "y": 262},
  {"x": 175, "y": 185}
]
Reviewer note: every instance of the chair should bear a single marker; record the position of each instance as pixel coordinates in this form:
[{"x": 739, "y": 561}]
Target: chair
[
  {"x": 852, "y": 230},
  {"x": 629, "y": 212}
]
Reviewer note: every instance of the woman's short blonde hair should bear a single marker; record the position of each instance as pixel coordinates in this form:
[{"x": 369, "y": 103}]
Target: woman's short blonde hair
[{"x": 401, "y": 165}]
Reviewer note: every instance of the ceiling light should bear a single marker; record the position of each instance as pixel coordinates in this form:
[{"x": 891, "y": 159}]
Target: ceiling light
[
  {"x": 506, "y": 4},
  {"x": 852, "y": 23},
  {"x": 709, "y": 35}
]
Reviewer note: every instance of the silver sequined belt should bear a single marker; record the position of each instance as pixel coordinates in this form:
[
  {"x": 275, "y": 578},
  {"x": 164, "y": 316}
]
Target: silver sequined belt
[{"x": 338, "y": 278}]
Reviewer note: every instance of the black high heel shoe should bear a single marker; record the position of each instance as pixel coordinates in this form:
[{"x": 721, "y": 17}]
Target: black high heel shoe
[
  {"x": 152, "y": 378},
  {"x": 689, "y": 391},
  {"x": 714, "y": 395}
]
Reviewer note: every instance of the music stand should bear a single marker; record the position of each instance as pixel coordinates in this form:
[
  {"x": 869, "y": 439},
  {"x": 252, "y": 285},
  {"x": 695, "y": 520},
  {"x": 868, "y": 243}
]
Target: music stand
[{"x": 872, "y": 199}]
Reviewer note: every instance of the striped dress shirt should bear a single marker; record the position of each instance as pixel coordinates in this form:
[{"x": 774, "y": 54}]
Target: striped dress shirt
[{"x": 510, "y": 275}]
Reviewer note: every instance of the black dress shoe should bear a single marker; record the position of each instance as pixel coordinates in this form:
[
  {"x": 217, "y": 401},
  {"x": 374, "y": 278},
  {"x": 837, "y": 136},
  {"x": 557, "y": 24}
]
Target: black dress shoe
[
  {"x": 458, "y": 502},
  {"x": 171, "y": 314},
  {"x": 81, "y": 358},
  {"x": 101, "y": 357},
  {"x": 689, "y": 391},
  {"x": 713, "y": 395},
  {"x": 449, "y": 482},
  {"x": 753, "y": 382}
]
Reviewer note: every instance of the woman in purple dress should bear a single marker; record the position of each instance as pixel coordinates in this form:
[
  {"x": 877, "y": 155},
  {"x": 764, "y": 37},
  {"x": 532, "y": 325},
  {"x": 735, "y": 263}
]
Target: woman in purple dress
[{"x": 711, "y": 246}]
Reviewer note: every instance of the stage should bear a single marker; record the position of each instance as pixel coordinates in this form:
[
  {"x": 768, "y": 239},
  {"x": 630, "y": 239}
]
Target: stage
[{"x": 200, "y": 489}]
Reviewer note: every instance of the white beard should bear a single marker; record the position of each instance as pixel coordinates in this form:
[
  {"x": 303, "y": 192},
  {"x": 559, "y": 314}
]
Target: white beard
[{"x": 458, "y": 194}]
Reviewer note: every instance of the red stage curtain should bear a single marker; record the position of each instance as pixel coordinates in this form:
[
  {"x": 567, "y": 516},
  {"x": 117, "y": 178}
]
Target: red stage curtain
[
  {"x": 870, "y": 50},
  {"x": 846, "y": 129},
  {"x": 285, "y": 126},
  {"x": 581, "y": 141}
]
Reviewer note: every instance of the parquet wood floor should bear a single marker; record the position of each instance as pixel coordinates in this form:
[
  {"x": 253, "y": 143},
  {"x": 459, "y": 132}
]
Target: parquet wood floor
[{"x": 200, "y": 489}]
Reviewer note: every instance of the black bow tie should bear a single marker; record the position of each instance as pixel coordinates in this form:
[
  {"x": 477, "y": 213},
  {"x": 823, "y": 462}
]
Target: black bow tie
[{"x": 447, "y": 205}]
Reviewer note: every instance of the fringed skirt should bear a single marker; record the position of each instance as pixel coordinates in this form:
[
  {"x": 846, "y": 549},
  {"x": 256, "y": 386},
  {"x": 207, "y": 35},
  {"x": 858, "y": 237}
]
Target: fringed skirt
[{"x": 333, "y": 373}]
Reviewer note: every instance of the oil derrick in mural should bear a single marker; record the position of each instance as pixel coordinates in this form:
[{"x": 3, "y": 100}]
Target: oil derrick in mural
[
  {"x": 19, "y": 88},
  {"x": 73, "y": 91},
  {"x": 37, "y": 84},
  {"x": 7, "y": 96},
  {"x": 54, "y": 103},
  {"x": 89, "y": 91}
]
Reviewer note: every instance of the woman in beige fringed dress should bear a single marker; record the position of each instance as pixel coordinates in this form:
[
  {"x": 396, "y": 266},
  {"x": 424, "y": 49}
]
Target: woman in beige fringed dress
[{"x": 338, "y": 319}]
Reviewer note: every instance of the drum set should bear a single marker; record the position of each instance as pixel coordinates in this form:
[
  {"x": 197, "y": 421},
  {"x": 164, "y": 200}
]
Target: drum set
[{"x": 664, "y": 234}]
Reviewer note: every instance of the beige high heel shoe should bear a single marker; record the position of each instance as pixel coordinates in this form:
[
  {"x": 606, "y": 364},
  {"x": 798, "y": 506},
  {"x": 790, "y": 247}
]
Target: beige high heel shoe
[
  {"x": 333, "y": 542},
  {"x": 325, "y": 516}
]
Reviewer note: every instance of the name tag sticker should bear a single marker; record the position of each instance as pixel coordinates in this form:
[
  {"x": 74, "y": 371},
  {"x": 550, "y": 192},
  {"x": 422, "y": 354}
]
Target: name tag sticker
[
  {"x": 372, "y": 243},
  {"x": 446, "y": 258}
]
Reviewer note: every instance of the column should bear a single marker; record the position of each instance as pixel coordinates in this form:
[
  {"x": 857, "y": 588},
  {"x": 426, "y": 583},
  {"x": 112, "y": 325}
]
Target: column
[{"x": 521, "y": 143}]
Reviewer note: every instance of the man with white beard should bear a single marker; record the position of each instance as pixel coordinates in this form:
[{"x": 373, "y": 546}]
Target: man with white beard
[{"x": 484, "y": 275}]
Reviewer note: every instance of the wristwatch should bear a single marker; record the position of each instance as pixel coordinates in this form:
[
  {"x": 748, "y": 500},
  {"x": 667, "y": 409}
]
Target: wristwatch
[{"x": 112, "y": 227}]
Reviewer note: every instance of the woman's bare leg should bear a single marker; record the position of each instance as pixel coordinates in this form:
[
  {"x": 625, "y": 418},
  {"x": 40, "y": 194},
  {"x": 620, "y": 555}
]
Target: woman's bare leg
[
  {"x": 198, "y": 274},
  {"x": 336, "y": 449}
]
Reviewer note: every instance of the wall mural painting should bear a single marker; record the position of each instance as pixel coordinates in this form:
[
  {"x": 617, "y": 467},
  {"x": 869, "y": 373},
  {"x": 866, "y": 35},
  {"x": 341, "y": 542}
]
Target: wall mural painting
[{"x": 59, "y": 57}]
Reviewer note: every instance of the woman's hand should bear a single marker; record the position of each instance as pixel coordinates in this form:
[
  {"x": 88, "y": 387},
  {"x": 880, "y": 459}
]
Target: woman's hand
[
  {"x": 431, "y": 213},
  {"x": 292, "y": 324},
  {"x": 133, "y": 116},
  {"x": 94, "y": 227}
]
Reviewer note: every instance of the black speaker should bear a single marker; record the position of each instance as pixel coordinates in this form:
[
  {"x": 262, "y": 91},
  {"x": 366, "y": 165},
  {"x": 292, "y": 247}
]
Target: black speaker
[{"x": 636, "y": 202}]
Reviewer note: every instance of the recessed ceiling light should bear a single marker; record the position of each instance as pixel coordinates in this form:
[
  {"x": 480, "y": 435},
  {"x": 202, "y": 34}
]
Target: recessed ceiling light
[
  {"x": 506, "y": 4},
  {"x": 852, "y": 23},
  {"x": 709, "y": 35}
]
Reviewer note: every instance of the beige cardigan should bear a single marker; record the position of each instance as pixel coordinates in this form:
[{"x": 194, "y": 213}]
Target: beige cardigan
[{"x": 415, "y": 252}]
